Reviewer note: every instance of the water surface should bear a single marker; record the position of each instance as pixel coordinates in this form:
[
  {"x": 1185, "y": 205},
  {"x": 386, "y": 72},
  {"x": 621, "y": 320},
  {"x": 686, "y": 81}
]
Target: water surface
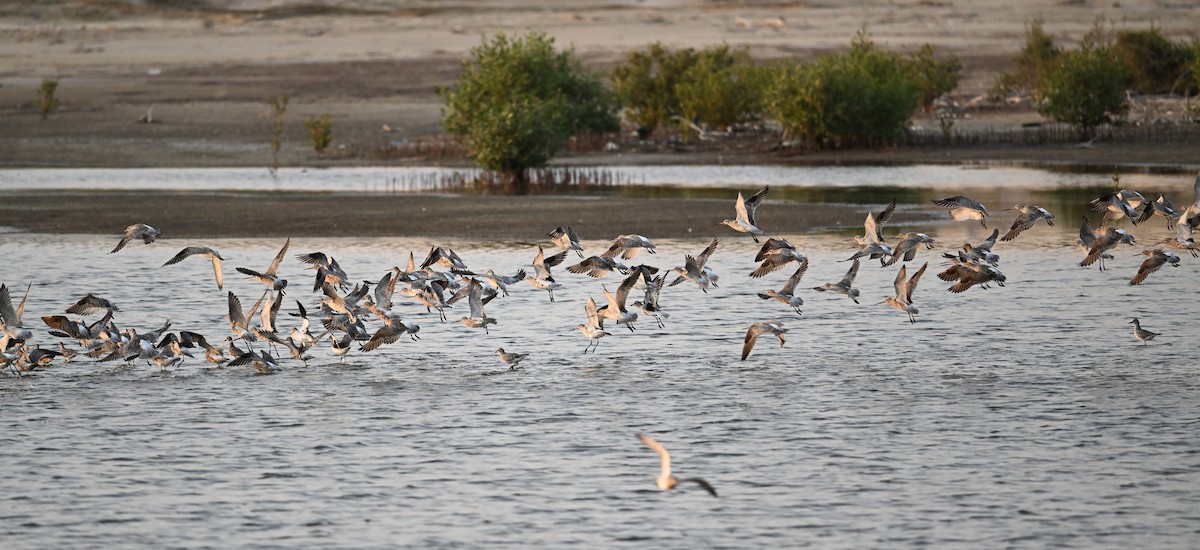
[{"x": 1018, "y": 416}]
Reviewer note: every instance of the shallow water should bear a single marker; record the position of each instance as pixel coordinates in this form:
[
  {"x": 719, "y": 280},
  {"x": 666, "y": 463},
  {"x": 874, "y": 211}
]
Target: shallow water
[{"x": 1023, "y": 415}]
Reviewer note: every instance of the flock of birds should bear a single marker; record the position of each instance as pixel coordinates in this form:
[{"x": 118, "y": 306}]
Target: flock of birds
[{"x": 343, "y": 313}]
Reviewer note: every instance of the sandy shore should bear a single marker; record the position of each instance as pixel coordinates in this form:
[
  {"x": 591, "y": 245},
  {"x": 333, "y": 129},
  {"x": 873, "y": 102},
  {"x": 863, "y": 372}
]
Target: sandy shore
[
  {"x": 204, "y": 74},
  {"x": 375, "y": 66}
]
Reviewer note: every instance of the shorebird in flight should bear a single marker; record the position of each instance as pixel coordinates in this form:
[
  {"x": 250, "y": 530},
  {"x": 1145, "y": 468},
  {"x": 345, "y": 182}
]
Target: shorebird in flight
[
  {"x": 270, "y": 277},
  {"x": 511, "y": 359},
  {"x": 908, "y": 246},
  {"x": 774, "y": 328},
  {"x": 477, "y": 319},
  {"x": 774, "y": 254},
  {"x": 844, "y": 286},
  {"x": 628, "y": 246},
  {"x": 137, "y": 231},
  {"x": 694, "y": 268},
  {"x": 1183, "y": 235},
  {"x": 10, "y": 317},
  {"x": 1142, "y": 335},
  {"x": 593, "y": 330},
  {"x": 90, "y": 304},
  {"x": 786, "y": 295},
  {"x": 649, "y": 305},
  {"x": 963, "y": 209},
  {"x": 615, "y": 309},
  {"x": 1105, "y": 239},
  {"x": 1117, "y": 205},
  {"x": 598, "y": 266},
  {"x": 904, "y": 290},
  {"x": 1029, "y": 215},
  {"x": 566, "y": 239},
  {"x": 665, "y": 481},
  {"x": 743, "y": 221},
  {"x": 1161, "y": 207},
  {"x": 969, "y": 274},
  {"x": 205, "y": 252},
  {"x": 1158, "y": 258},
  {"x": 873, "y": 226}
]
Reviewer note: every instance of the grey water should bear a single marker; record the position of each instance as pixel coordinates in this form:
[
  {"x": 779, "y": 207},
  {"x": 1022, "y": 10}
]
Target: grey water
[{"x": 1017, "y": 416}]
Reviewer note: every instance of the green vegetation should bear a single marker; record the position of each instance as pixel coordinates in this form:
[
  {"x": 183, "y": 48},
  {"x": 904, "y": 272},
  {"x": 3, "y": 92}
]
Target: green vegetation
[
  {"x": 46, "y": 99},
  {"x": 278, "y": 108},
  {"x": 320, "y": 132},
  {"x": 519, "y": 99},
  {"x": 717, "y": 87},
  {"x": 934, "y": 78},
  {"x": 1036, "y": 60},
  {"x": 1156, "y": 65},
  {"x": 859, "y": 98},
  {"x": 1086, "y": 88}
]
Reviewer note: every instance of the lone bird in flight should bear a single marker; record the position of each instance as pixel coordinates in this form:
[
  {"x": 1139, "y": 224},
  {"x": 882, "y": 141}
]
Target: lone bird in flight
[
  {"x": 137, "y": 231},
  {"x": 665, "y": 480}
]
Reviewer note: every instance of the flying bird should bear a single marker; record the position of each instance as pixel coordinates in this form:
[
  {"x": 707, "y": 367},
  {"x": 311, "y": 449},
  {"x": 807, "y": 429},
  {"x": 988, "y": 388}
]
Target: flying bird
[
  {"x": 774, "y": 328},
  {"x": 205, "y": 252},
  {"x": 137, "y": 231},
  {"x": 743, "y": 221},
  {"x": 665, "y": 480},
  {"x": 963, "y": 209}
]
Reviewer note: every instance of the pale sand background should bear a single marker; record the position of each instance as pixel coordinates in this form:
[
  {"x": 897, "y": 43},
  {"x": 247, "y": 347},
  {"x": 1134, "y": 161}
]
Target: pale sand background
[{"x": 208, "y": 71}]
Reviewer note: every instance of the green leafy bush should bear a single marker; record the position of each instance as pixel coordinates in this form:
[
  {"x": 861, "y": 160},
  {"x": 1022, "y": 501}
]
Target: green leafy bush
[
  {"x": 721, "y": 88},
  {"x": 646, "y": 84},
  {"x": 519, "y": 99},
  {"x": 1155, "y": 64},
  {"x": 46, "y": 99},
  {"x": 861, "y": 97},
  {"x": 1087, "y": 88},
  {"x": 320, "y": 132},
  {"x": 933, "y": 77},
  {"x": 1036, "y": 60}
]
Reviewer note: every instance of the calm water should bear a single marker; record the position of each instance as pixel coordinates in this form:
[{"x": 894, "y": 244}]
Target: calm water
[{"x": 1023, "y": 416}]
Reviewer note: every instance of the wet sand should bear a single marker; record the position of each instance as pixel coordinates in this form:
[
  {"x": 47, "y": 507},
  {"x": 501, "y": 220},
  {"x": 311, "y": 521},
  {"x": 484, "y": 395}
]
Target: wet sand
[{"x": 253, "y": 215}]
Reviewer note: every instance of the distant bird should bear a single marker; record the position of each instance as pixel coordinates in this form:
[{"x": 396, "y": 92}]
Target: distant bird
[
  {"x": 1158, "y": 258},
  {"x": 593, "y": 330},
  {"x": 511, "y": 359},
  {"x": 904, "y": 290},
  {"x": 665, "y": 481},
  {"x": 1161, "y": 207},
  {"x": 565, "y": 238},
  {"x": 774, "y": 328},
  {"x": 963, "y": 209},
  {"x": 1028, "y": 217},
  {"x": 786, "y": 295},
  {"x": 1142, "y": 335},
  {"x": 206, "y": 252},
  {"x": 270, "y": 277},
  {"x": 844, "y": 286},
  {"x": 743, "y": 221},
  {"x": 137, "y": 231},
  {"x": 628, "y": 246}
]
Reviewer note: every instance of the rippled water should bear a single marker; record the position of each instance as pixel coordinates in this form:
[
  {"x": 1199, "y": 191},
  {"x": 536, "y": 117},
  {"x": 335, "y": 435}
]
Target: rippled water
[{"x": 1023, "y": 416}]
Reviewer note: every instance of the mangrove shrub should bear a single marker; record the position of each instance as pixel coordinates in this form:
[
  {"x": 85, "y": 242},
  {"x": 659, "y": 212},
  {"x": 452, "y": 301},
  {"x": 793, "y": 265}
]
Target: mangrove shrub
[{"x": 519, "y": 99}]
